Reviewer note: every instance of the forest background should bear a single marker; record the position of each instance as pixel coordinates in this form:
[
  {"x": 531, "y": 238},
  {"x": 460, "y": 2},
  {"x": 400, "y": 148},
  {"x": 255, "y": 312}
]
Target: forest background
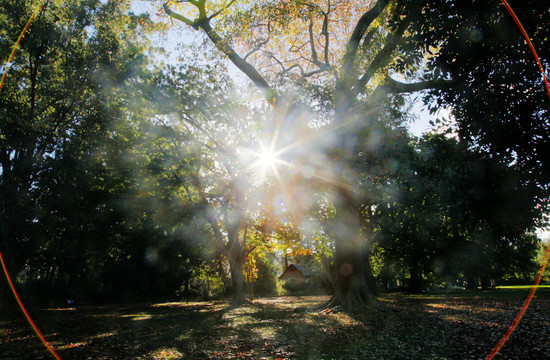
[{"x": 278, "y": 135}]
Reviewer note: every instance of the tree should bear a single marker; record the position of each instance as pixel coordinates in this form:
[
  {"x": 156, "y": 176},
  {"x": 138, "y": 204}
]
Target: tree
[
  {"x": 77, "y": 90},
  {"x": 345, "y": 70},
  {"x": 350, "y": 73},
  {"x": 498, "y": 97},
  {"x": 456, "y": 213}
]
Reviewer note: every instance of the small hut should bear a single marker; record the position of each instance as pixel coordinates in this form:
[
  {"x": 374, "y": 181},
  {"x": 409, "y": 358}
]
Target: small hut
[{"x": 295, "y": 272}]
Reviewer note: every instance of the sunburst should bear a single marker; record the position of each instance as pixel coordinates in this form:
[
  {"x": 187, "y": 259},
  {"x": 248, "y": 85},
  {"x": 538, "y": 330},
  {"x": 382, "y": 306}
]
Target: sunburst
[{"x": 265, "y": 159}]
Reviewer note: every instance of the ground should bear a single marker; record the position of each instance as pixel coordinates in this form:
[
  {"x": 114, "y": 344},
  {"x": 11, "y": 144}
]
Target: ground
[{"x": 455, "y": 325}]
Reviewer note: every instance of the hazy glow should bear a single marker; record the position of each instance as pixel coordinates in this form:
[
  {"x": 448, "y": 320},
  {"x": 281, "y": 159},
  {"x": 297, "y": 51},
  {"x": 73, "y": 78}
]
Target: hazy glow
[{"x": 267, "y": 158}]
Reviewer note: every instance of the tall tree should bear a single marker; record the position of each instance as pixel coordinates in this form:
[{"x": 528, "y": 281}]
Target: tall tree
[
  {"x": 67, "y": 107},
  {"x": 350, "y": 71},
  {"x": 498, "y": 97},
  {"x": 452, "y": 210},
  {"x": 347, "y": 58}
]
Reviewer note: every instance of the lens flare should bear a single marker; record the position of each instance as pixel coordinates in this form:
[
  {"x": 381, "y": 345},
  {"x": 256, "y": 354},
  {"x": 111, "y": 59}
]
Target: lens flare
[
  {"x": 25, "y": 312},
  {"x": 8, "y": 278},
  {"x": 525, "y": 305},
  {"x": 19, "y": 41},
  {"x": 526, "y": 37},
  {"x": 268, "y": 158},
  {"x": 264, "y": 159}
]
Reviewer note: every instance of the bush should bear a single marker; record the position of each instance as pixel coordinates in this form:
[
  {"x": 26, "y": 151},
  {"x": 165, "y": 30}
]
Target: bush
[
  {"x": 205, "y": 284},
  {"x": 267, "y": 283}
]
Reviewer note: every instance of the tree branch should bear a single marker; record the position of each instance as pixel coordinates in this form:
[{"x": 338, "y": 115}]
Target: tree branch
[
  {"x": 324, "y": 32},
  {"x": 382, "y": 58},
  {"x": 177, "y": 16},
  {"x": 358, "y": 32},
  {"x": 257, "y": 47},
  {"x": 221, "y": 10},
  {"x": 250, "y": 251},
  {"x": 395, "y": 86},
  {"x": 239, "y": 62},
  {"x": 203, "y": 23},
  {"x": 323, "y": 66},
  {"x": 314, "y": 56},
  {"x": 367, "y": 39}
]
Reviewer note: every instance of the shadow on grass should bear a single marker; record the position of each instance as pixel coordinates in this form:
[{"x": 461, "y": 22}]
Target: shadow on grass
[
  {"x": 458, "y": 325},
  {"x": 433, "y": 326},
  {"x": 265, "y": 328}
]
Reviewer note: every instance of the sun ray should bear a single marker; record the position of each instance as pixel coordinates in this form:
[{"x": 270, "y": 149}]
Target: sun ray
[{"x": 324, "y": 179}]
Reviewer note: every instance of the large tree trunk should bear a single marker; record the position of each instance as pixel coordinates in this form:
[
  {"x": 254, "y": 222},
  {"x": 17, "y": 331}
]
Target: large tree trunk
[
  {"x": 352, "y": 288},
  {"x": 351, "y": 281},
  {"x": 236, "y": 256},
  {"x": 416, "y": 284},
  {"x": 236, "y": 264}
]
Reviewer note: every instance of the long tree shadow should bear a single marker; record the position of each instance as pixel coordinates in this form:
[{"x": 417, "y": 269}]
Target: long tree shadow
[
  {"x": 112, "y": 332},
  {"x": 275, "y": 328},
  {"x": 268, "y": 328},
  {"x": 456, "y": 327}
]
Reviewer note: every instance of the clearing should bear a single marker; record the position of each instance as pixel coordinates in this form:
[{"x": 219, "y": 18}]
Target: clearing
[{"x": 446, "y": 325}]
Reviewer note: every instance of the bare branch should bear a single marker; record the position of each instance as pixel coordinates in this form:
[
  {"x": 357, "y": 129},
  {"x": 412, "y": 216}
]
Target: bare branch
[
  {"x": 293, "y": 48},
  {"x": 239, "y": 62},
  {"x": 221, "y": 10},
  {"x": 324, "y": 32},
  {"x": 315, "y": 72},
  {"x": 177, "y": 16},
  {"x": 312, "y": 44},
  {"x": 203, "y": 23},
  {"x": 303, "y": 73},
  {"x": 391, "y": 86},
  {"x": 256, "y": 48}
]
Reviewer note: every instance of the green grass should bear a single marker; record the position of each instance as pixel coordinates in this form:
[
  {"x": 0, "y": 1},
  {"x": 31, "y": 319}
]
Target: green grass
[
  {"x": 435, "y": 325},
  {"x": 521, "y": 287},
  {"x": 501, "y": 291}
]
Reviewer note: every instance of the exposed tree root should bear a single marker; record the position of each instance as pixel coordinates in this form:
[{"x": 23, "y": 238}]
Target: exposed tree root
[{"x": 360, "y": 300}]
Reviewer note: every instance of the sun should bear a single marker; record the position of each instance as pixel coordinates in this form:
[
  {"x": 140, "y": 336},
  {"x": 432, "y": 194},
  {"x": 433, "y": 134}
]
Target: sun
[{"x": 267, "y": 158}]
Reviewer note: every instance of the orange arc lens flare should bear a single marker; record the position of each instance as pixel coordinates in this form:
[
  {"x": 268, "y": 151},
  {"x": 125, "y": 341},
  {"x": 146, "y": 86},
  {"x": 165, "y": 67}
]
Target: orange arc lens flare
[
  {"x": 489, "y": 356},
  {"x": 526, "y": 37},
  {"x": 525, "y": 305},
  {"x": 19, "y": 41},
  {"x": 4, "y": 268},
  {"x": 25, "y": 312}
]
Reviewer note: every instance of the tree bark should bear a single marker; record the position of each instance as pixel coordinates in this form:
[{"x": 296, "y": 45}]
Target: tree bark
[
  {"x": 351, "y": 251},
  {"x": 352, "y": 290},
  {"x": 415, "y": 286},
  {"x": 236, "y": 263}
]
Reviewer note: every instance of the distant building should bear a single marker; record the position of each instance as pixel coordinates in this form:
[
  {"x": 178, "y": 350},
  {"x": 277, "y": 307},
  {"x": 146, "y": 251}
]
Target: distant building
[{"x": 296, "y": 272}]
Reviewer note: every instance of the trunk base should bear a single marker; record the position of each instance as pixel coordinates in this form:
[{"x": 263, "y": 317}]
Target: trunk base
[{"x": 359, "y": 300}]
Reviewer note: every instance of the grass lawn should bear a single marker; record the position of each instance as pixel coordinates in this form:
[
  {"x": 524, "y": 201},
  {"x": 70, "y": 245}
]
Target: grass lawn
[{"x": 438, "y": 325}]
